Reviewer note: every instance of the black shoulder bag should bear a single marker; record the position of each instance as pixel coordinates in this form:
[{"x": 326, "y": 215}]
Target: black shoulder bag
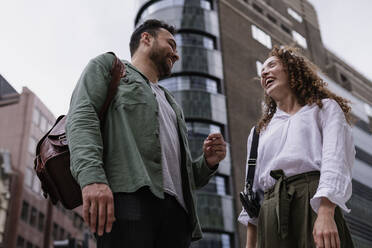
[{"x": 249, "y": 199}]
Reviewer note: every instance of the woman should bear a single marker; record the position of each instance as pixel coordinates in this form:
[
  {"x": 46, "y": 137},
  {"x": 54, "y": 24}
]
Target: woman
[{"x": 305, "y": 157}]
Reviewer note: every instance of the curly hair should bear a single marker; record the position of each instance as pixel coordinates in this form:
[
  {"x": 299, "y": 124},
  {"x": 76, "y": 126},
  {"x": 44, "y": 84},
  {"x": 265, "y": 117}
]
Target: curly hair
[{"x": 304, "y": 82}]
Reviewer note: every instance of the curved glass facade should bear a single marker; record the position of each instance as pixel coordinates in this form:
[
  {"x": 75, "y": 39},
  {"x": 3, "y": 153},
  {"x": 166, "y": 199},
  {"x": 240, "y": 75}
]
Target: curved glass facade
[
  {"x": 159, "y": 5},
  {"x": 186, "y": 17},
  {"x": 191, "y": 82},
  {"x": 195, "y": 40},
  {"x": 196, "y": 83}
]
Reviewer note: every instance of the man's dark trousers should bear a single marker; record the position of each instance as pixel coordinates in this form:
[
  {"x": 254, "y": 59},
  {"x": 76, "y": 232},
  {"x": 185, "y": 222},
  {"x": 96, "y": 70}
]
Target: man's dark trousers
[{"x": 145, "y": 221}]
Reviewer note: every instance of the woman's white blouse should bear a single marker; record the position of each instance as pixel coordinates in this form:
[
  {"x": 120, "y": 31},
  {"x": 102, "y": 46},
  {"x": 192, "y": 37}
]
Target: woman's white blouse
[{"x": 311, "y": 139}]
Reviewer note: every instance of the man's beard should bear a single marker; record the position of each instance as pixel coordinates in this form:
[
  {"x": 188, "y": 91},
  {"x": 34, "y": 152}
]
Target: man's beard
[{"x": 159, "y": 58}]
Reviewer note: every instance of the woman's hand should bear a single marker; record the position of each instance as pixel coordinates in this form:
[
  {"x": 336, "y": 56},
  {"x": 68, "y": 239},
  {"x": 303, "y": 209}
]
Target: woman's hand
[
  {"x": 325, "y": 231},
  {"x": 251, "y": 236}
]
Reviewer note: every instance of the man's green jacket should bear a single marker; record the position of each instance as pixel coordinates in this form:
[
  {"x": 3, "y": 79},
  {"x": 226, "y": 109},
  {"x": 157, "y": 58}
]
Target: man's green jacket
[{"x": 126, "y": 155}]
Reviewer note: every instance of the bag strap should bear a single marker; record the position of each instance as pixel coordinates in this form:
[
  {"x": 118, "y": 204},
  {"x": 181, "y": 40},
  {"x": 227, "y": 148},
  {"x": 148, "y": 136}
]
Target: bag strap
[
  {"x": 252, "y": 160},
  {"x": 117, "y": 72}
]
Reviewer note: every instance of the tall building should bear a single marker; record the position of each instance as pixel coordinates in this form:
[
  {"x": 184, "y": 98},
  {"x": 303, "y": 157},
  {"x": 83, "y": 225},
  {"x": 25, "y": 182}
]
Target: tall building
[
  {"x": 197, "y": 83},
  {"x": 31, "y": 222},
  {"x": 222, "y": 45}
]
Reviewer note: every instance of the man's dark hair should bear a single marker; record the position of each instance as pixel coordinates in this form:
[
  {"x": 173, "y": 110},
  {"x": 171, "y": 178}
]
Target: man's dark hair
[{"x": 151, "y": 26}]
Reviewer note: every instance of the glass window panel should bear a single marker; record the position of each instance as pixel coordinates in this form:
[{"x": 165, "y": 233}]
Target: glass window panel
[
  {"x": 55, "y": 231},
  {"x": 299, "y": 39},
  {"x": 43, "y": 124},
  {"x": 36, "y": 116},
  {"x": 261, "y": 37},
  {"x": 202, "y": 129},
  {"x": 41, "y": 220},
  {"x": 205, "y": 4},
  {"x": 32, "y": 143},
  {"x": 213, "y": 240},
  {"x": 259, "y": 67},
  {"x": 196, "y": 40},
  {"x": 24, "y": 212},
  {"x": 36, "y": 184},
  {"x": 368, "y": 109},
  {"x": 190, "y": 83},
  {"x": 294, "y": 14},
  {"x": 61, "y": 233},
  {"x": 20, "y": 242},
  {"x": 28, "y": 177},
  {"x": 221, "y": 185},
  {"x": 33, "y": 216},
  {"x": 226, "y": 241}
]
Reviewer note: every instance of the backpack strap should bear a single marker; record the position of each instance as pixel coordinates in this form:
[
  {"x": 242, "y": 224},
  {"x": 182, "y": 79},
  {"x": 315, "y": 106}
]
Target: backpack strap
[
  {"x": 117, "y": 72},
  {"x": 252, "y": 161}
]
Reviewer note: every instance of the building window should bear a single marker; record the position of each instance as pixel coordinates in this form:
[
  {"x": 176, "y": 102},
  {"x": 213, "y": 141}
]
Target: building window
[
  {"x": 261, "y": 37},
  {"x": 36, "y": 184},
  {"x": 158, "y": 5},
  {"x": 202, "y": 129},
  {"x": 285, "y": 29},
  {"x": 55, "y": 231},
  {"x": 259, "y": 66},
  {"x": 294, "y": 14},
  {"x": 41, "y": 221},
  {"x": 272, "y": 19},
  {"x": 33, "y": 216},
  {"x": 216, "y": 185},
  {"x": 61, "y": 233},
  {"x": 20, "y": 242},
  {"x": 50, "y": 125},
  {"x": 190, "y": 83},
  {"x": 28, "y": 176},
  {"x": 257, "y": 8},
  {"x": 78, "y": 221},
  {"x": 36, "y": 116},
  {"x": 213, "y": 240},
  {"x": 24, "y": 211},
  {"x": 368, "y": 109},
  {"x": 195, "y": 40},
  {"x": 299, "y": 39},
  {"x": 206, "y": 5},
  {"x": 32, "y": 143},
  {"x": 43, "y": 124}
]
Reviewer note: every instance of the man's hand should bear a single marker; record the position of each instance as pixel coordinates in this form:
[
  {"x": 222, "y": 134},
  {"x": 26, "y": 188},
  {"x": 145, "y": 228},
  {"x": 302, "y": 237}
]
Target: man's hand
[
  {"x": 98, "y": 204},
  {"x": 214, "y": 149},
  {"x": 325, "y": 231}
]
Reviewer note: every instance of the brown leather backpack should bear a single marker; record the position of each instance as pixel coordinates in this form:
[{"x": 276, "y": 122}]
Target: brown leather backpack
[{"x": 52, "y": 162}]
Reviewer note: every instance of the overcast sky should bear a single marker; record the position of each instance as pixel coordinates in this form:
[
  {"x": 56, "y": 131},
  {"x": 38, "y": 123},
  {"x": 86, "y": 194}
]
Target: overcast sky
[{"x": 45, "y": 44}]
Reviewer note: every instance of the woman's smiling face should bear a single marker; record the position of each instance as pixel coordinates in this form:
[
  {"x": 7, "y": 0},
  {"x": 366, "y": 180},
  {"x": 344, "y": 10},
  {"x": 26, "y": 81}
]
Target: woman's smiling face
[{"x": 274, "y": 78}]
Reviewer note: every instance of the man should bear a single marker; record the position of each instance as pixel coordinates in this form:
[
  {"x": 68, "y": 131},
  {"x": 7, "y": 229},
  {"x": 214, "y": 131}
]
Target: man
[{"x": 137, "y": 176}]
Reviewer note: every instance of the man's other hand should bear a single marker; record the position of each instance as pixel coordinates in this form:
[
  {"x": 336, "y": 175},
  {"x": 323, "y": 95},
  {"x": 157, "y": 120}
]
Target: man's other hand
[
  {"x": 214, "y": 149},
  {"x": 98, "y": 205}
]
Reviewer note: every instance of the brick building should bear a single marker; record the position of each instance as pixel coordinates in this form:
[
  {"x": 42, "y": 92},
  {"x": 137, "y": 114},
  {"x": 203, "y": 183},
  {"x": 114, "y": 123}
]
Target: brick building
[{"x": 31, "y": 221}]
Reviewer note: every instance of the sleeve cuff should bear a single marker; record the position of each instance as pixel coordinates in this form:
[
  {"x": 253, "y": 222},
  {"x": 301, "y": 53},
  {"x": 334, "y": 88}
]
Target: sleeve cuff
[
  {"x": 245, "y": 219},
  {"x": 315, "y": 201},
  {"x": 206, "y": 169},
  {"x": 91, "y": 176}
]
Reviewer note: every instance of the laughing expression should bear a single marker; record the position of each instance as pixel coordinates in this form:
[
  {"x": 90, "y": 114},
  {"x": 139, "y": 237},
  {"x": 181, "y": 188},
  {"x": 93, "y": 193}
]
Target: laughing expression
[
  {"x": 164, "y": 53},
  {"x": 274, "y": 78}
]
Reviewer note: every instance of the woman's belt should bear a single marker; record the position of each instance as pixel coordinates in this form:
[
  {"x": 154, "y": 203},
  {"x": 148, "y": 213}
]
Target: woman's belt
[{"x": 283, "y": 195}]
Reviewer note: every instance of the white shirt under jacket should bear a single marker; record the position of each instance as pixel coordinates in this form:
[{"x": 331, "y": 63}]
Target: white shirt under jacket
[{"x": 311, "y": 139}]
